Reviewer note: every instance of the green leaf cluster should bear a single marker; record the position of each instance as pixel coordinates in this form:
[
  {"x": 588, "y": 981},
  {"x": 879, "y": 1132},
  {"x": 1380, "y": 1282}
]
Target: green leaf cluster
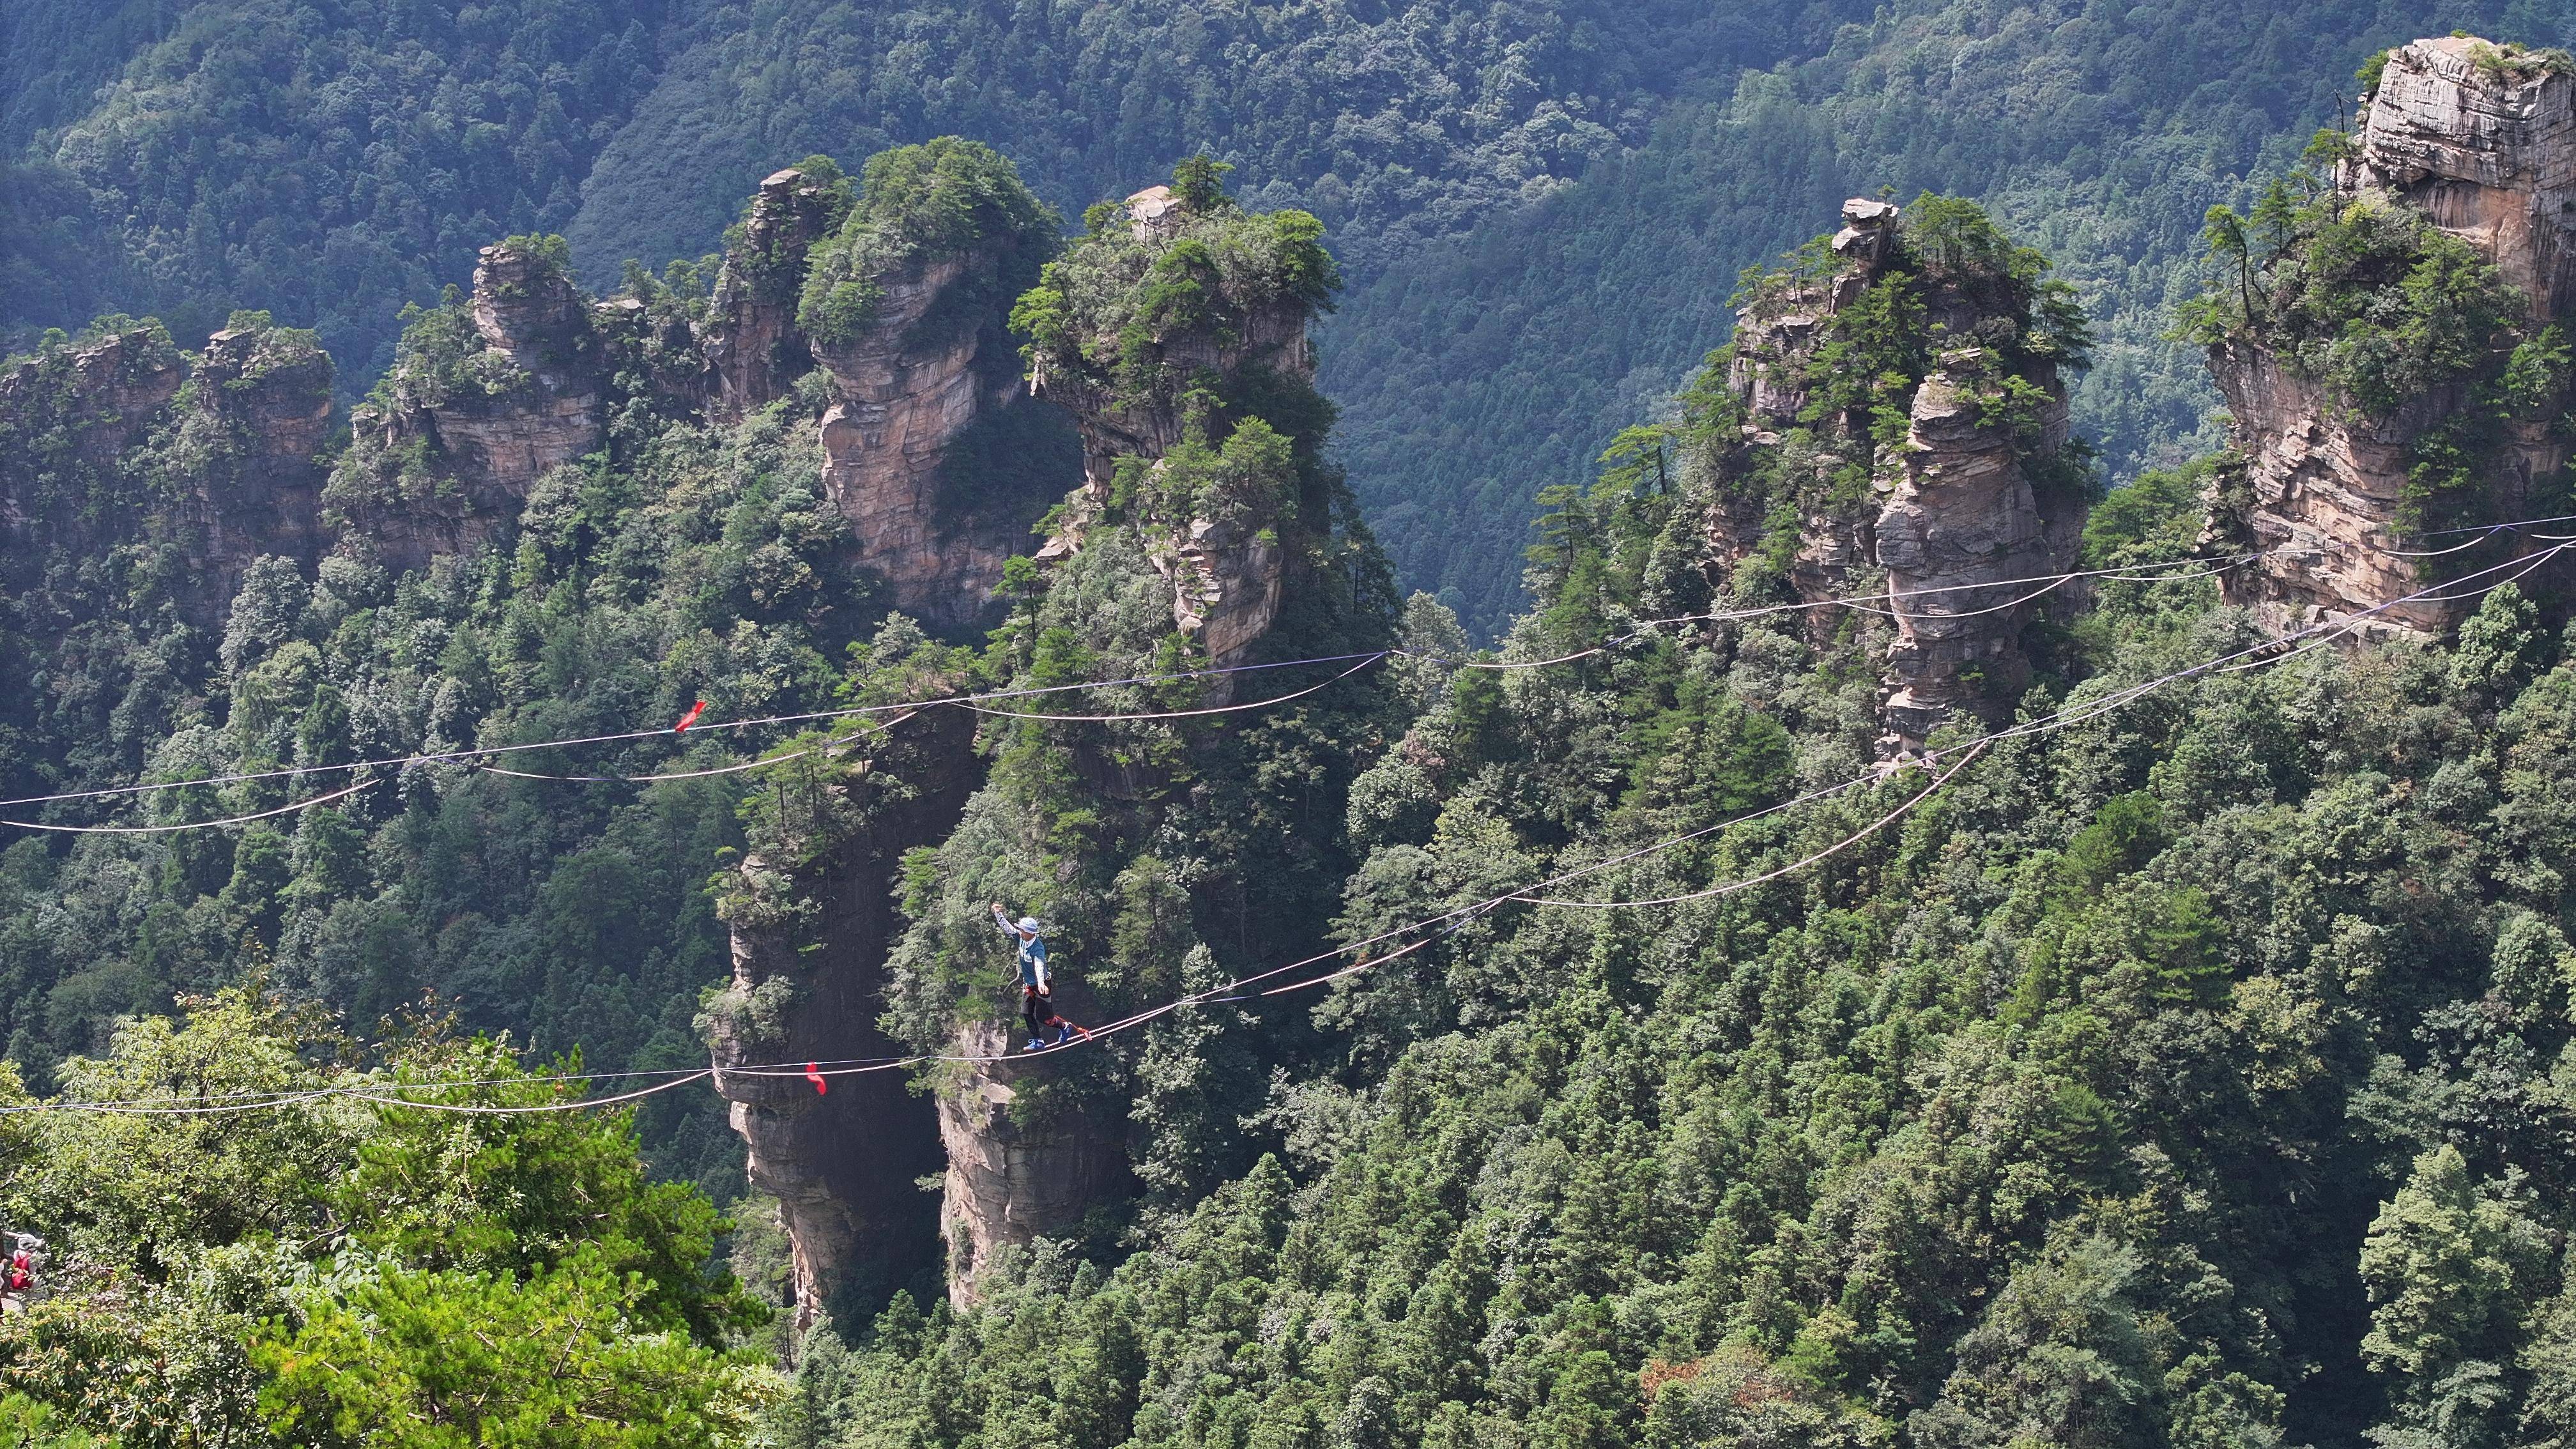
[{"x": 353, "y": 1270}]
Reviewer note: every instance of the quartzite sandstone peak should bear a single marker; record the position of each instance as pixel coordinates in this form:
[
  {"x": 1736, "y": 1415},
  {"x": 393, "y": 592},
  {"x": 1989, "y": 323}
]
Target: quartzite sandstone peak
[
  {"x": 1225, "y": 578},
  {"x": 906, "y": 389},
  {"x": 443, "y": 458},
  {"x": 1949, "y": 506},
  {"x": 2485, "y": 149},
  {"x": 243, "y": 426},
  {"x": 753, "y": 346},
  {"x": 842, "y": 1162},
  {"x": 446, "y": 458}
]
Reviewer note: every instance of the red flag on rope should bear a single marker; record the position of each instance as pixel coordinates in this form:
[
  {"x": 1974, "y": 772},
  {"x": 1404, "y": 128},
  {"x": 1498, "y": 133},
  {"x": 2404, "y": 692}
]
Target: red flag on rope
[
  {"x": 814, "y": 1074},
  {"x": 691, "y": 717}
]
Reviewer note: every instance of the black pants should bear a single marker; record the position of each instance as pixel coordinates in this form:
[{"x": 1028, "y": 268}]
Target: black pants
[{"x": 1037, "y": 1011}]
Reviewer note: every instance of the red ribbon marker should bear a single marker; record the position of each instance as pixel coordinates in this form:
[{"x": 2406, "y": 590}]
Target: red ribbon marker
[
  {"x": 813, "y": 1070},
  {"x": 690, "y": 718}
]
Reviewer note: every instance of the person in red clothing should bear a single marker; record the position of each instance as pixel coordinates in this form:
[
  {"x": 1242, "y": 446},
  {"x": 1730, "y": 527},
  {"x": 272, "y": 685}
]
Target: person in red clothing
[{"x": 18, "y": 1275}]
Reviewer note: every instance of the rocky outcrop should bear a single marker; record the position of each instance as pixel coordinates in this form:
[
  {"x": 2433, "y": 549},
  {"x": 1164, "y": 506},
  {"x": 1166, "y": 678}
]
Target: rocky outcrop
[
  {"x": 1225, "y": 577},
  {"x": 1951, "y": 506},
  {"x": 908, "y": 386},
  {"x": 1958, "y": 510},
  {"x": 537, "y": 335},
  {"x": 844, "y": 1163},
  {"x": 241, "y": 434},
  {"x": 259, "y": 411},
  {"x": 2481, "y": 142},
  {"x": 1776, "y": 337},
  {"x": 1270, "y": 337},
  {"x": 104, "y": 393},
  {"x": 444, "y": 458},
  {"x": 1015, "y": 1176},
  {"x": 2322, "y": 488},
  {"x": 754, "y": 349}
]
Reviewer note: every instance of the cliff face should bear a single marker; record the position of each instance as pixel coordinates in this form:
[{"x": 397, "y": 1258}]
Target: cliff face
[
  {"x": 907, "y": 389},
  {"x": 844, "y": 1163},
  {"x": 534, "y": 324},
  {"x": 2324, "y": 486},
  {"x": 2487, "y": 150},
  {"x": 1011, "y": 1181},
  {"x": 1949, "y": 505},
  {"x": 754, "y": 349},
  {"x": 2481, "y": 144}
]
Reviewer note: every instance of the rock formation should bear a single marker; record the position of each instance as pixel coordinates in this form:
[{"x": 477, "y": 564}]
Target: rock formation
[
  {"x": 1010, "y": 1182},
  {"x": 907, "y": 389},
  {"x": 1958, "y": 509},
  {"x": 2482, "y": 143},
  {"x": 78, "y": 409},
  {"x": 2485, "y": 146},
  {"x": 845, "y": 1163},
  {"x": 2323, "y": 488},
  {"x": 244, "y": 432},
  {"x": 105, "y": 392},
  {"x": 446, "y": 454},
  {"x": 259, "y": 410},
  {"x": 1225, "y": 576},
  {"x": 536, "y": 329},
  {"x": 754, "y": 349},
  {"x": 1950, "y": 506}
]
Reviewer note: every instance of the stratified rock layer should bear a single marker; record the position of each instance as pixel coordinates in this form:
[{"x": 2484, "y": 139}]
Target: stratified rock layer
[
  {"x": 1959, "y": 511},
  {"x": 1949, "y": 508},
  {"x": 2487, "y": 152}
]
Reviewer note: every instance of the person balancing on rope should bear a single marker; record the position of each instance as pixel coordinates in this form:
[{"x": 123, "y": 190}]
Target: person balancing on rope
[{"x": 1037, "y": 989}]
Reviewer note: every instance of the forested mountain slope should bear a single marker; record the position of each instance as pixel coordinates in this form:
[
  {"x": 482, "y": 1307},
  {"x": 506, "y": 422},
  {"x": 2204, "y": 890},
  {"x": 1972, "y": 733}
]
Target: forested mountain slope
[
  {"x": 1541, "y": 205},
  {"x": 1903, "y": 944},
  {"x": 2173, "y": 1053}
]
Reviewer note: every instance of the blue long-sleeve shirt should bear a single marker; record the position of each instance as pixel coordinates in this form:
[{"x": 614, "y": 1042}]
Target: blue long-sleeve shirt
[{"x": 1033, "y": 953}]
